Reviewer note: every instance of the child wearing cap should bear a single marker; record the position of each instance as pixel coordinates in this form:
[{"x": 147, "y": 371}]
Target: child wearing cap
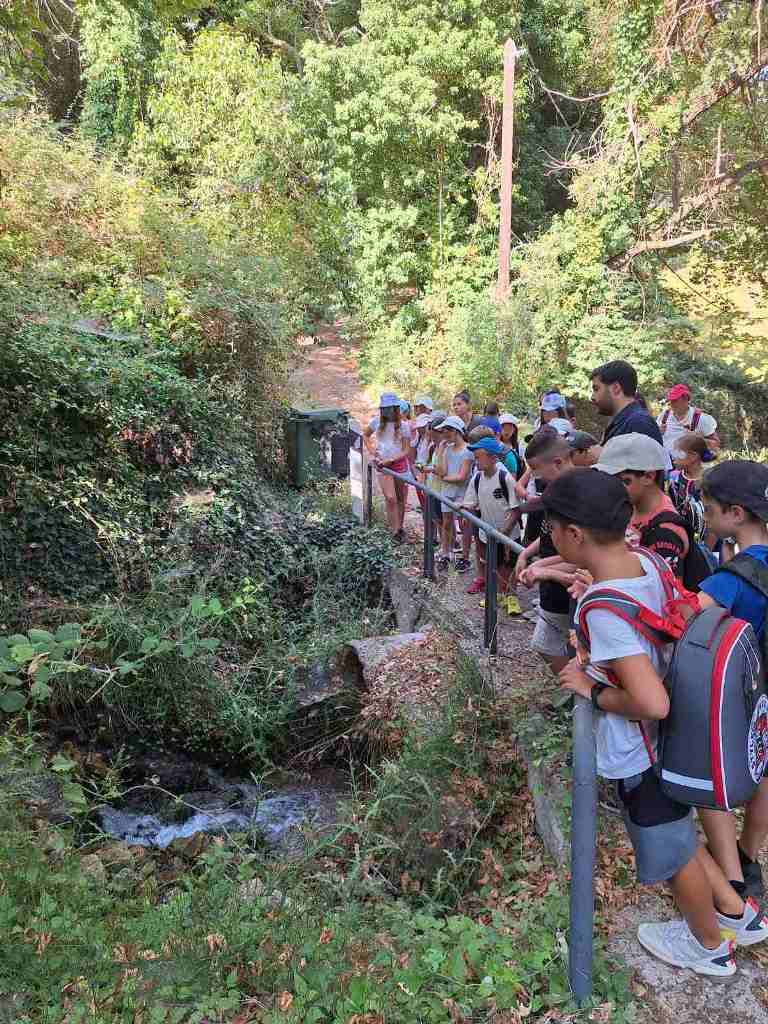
[
  {"x": 391, "y": 437},
  {"x": 512, "y": 458},
  {"x": 585, "y": 449},
  {"x": 621, "y": 672},
  {"x": 640, "y": 463},
  {"x": 452, "y": 467},
  {"x": 735, "y": 496},
  {"x": 549, "y": 457},
  {"x": 553, "y": 413},
  {"x": 418, "y": 453},
  {"x": 491, "y": 494}
]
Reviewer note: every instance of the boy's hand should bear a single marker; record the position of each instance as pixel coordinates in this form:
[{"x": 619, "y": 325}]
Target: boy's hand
[
  {"x": 582, "y": 580},
  {"x": 573, "y": 679}
]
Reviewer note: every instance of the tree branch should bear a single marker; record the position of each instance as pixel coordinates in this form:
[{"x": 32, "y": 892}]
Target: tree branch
[
  {"x": 655, "y": 245},
  {"x": 719, "y": 93},
  {"x": 661, "y": 238}
]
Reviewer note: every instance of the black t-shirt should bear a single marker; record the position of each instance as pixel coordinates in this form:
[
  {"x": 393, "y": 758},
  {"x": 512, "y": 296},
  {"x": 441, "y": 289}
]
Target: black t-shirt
[
  {"x": 633, "y": 419},
  {"x": 553, "y": 597}
]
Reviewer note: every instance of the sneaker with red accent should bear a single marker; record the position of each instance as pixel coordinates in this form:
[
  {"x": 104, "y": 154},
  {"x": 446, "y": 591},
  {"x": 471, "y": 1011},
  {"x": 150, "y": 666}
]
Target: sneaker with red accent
[
  {"x": 750, "y": 928},
  {"x": 675, "y": 944},
  {"x": 477, "y": 586}
]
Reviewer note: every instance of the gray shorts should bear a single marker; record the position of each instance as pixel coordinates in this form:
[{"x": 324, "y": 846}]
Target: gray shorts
[
  {"x": 550, "y": 636},
  {"x": 662, "y": 831}
]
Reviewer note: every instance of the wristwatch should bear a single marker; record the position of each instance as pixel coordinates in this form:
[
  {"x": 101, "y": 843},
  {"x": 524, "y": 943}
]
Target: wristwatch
[{"x": 595, "y": 692}]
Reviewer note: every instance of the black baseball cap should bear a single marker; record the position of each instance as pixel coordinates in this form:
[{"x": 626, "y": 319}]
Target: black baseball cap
[
  {"x": 589, "y": 498},
  {"x": 740, "y": 482}
]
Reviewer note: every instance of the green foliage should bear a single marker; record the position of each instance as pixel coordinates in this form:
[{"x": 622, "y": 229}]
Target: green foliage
[{"x": 311, "y": 944}]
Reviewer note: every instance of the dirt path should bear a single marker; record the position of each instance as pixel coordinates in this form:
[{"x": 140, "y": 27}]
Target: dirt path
[{"x": 327, "y": 374}]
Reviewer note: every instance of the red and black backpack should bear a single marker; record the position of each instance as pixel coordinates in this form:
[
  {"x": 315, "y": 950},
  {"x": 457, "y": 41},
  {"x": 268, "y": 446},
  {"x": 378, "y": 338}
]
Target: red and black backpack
[{"x": 713, "y": 744}]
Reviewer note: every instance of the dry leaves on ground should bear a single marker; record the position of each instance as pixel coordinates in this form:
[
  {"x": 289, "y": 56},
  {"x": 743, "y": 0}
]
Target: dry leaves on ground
[{"x": 412, "y": 683}]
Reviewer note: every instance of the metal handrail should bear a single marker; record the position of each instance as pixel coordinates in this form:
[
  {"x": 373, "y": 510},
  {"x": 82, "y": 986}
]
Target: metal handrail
[
  {"x": 584, "y": 780},
  {"x": 493, "y": 538}
]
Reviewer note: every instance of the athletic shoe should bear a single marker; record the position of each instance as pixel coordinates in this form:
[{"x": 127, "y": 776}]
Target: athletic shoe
[
  {"x": 442, "y": 562},
  {"x": 748, "y": 929},
  {"x": 461, "y": 565},
  {"x": 477, "y": 586},
  {"x": 753, "y": 876},
  {"x": 675, "y": 944}
]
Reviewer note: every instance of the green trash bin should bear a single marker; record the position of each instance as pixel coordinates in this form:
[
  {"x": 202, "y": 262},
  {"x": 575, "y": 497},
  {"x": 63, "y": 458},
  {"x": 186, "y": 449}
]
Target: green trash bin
[{"x": 312, "y": 438}]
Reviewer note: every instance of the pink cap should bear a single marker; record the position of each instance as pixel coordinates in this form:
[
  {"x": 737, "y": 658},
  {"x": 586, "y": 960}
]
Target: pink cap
[{"x": 678, "y": 391}]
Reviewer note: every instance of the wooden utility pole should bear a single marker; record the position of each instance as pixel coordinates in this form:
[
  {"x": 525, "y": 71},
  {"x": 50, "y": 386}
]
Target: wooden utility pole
[{"x": 511, "y": 54}]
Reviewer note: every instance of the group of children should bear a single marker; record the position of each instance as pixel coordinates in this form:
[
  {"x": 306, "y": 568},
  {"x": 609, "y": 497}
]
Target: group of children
[{"x": 592, "y": 513}]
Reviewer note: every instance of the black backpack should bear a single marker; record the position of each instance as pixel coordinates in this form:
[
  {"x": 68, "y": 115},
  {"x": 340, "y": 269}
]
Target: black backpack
[
  {"x": 754, "y": 572},
  {"x": 699, "y": 563}
]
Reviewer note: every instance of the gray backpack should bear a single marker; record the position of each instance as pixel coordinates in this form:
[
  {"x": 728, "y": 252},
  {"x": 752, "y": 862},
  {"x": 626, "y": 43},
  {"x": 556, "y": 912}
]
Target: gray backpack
[{"x": 713, "y": 744}]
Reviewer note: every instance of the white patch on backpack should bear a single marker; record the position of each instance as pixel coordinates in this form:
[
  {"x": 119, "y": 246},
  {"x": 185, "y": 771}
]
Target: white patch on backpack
[
  {"x": 757, "y": 740},
  {"x": 498, "y": 493}
]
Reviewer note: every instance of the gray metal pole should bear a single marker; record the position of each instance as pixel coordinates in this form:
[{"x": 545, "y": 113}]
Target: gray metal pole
[
  {"x": 583, "y": 844},
  {"x": 368, "y": 492},
  {"x": 491, "y": 614},
  {"x": 429, "y": 537}
]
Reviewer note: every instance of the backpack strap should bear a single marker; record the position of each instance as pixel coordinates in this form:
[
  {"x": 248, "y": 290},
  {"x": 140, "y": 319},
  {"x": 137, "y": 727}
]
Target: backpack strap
[
  {"x": 695, "y": 419},
  {"x": 665, "y": 419},
  {"x": 749, "y": 569},
  {"x": 656, "y": 630},
  {"x": 755, "y": 573},
  {"x": 503, "y": 484}
]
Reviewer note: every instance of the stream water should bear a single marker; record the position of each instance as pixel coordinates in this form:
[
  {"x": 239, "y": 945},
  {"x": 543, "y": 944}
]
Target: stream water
[{"x": 227, "y": 805}]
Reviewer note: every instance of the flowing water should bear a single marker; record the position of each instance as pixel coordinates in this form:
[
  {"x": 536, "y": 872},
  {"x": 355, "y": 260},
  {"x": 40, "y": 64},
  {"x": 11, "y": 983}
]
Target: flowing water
[{"x": 276, "y": 815}]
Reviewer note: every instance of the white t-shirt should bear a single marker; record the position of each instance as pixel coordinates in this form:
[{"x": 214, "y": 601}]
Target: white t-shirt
[
  {"x": 487, "y": 493},
  {"x": 676, "y": 428},
  {"x": 421, "y": 445},
  {"x": 388, "y": 446},
  {"x": 621, "y": 750}
]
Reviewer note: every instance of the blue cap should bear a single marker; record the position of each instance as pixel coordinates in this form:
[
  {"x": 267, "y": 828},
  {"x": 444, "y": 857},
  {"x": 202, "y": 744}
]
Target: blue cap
[
  {"x": 404, "y": 406},
  {"x": 388, "y": 400},
  {"x": 488, "y": 444},
  {"x": 492, "y": 422}
]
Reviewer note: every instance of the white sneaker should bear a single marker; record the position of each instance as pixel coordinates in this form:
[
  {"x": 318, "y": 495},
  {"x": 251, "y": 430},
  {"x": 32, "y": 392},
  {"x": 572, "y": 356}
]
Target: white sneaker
[
  {"x": 675, "y": 944},
  {"x": 750, "y": 928}
]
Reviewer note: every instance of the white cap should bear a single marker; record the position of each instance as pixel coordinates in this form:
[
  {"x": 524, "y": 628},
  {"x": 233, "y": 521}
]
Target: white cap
[
  {"x": 507, "y": 417},
  {"x": 453, "y": 422},
  {"x": 422, "y": 420},
  {"x": 424, "y": 400},
  {"x": 564, "y": 427},
  {"x": 553, "y": 402},
  {"x": 632, "y": 452}
]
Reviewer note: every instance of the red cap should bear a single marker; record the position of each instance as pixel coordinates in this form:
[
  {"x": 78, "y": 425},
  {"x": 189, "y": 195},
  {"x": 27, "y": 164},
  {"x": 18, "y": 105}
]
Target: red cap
[{"x": 678, "y": 391}]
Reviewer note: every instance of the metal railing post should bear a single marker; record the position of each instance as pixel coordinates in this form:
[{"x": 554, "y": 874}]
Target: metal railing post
[
  {"x": 429, "y": 537},
  {"x": 491, "y": 615},
  {"x": 583, "y": 845},
  {"x": 369, "y": 492}
]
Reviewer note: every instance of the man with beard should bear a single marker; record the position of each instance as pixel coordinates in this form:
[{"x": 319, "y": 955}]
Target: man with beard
[{"x": 614, "y": 389}]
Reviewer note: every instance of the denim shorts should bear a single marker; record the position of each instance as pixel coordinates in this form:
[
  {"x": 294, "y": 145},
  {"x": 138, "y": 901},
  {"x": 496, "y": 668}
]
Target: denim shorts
[{"x": 662, "y": 831}]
